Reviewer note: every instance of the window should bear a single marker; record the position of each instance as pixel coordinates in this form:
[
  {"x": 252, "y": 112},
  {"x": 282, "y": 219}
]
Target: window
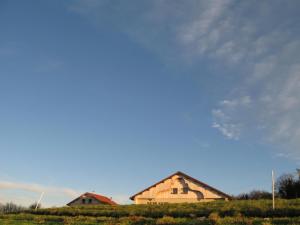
[
  {"x": 90, "y": 201},
  {"x": 174, "y": 191},
  {"x": 83, "y": 201},
  {"x": 185, "y": 190}
]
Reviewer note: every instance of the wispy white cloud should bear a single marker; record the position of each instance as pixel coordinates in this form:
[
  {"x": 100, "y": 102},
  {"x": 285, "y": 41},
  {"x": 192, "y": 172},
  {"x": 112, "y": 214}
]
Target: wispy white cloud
[
  {"x": 259, "y": 40},
  {"x": 27, "y": 193},
  {"x": 224, "y": 117},
  {"x": 38, "y": 188},
  {"x": 275, "y": 103},
  {"x": 17, "y": 199},
  {"x": 223, "y": 123},
  {"x": 50, "y": 192}
]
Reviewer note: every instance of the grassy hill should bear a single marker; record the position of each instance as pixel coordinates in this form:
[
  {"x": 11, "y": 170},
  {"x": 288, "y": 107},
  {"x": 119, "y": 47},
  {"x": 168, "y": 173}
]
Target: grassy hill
[{"x": 219, "y": 212}]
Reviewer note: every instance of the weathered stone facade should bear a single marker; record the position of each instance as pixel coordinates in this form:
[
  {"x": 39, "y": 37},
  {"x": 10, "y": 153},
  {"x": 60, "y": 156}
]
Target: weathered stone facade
[{"x": 178, "y": 188}]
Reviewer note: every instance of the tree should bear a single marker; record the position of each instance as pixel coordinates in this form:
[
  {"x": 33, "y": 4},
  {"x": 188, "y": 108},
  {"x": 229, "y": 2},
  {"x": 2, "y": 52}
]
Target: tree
[
  {"x": 287, "y": 186},
  {"x": 35, "y": 205},
  {"x": 242, "y": 196},
  {"x": 11, "y": 208},
  {"x": 298, "y": 172},
  {"x": 298, "y": 184},
  {"x": 255, "y": 194}
]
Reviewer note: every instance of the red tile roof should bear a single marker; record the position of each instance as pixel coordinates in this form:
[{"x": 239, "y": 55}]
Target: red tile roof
[{"x": 100, "y": 198}]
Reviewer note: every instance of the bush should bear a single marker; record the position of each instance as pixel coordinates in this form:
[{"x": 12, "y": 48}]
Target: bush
[
  {"x": 166, "y": 220},
  {"x": 35, "y": 205},
  {"x": 248, "y": 208},
  {"x": 254, "y": 195}
]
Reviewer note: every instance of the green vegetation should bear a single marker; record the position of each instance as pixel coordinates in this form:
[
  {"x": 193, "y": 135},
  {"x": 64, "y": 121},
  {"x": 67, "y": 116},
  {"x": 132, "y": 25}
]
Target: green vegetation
[
  {"x": 250, "y": 212},
  {"x": 29, "y": 219},
  {"x": 288, "y": 186},
  {"x": 248, "y": 208}
]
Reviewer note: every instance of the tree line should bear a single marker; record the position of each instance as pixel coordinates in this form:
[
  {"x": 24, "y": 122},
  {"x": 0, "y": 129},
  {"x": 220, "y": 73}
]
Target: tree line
[
  {"x": 14, "y": 208},
  {"x": 287, "y": 186}
]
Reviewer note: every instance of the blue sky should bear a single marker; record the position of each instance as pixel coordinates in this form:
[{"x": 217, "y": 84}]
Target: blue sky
[{"x": 111, "y": 96}]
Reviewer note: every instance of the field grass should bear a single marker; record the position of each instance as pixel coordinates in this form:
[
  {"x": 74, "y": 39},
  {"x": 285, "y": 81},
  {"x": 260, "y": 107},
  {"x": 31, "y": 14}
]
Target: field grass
[{"x": 255, "y": 212}]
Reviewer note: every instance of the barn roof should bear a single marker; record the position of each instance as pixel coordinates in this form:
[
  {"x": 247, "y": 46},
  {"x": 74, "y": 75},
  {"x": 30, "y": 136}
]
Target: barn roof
[
  {"x": 189, "y": 178},
  {"x": 98, "y": 197}
]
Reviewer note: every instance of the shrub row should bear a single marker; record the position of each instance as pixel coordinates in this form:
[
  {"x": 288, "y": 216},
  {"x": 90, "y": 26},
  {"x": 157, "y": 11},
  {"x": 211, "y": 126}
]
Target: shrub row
[
  {"x": 253, "y": 208},
  {"x": 213, "y": 219}
]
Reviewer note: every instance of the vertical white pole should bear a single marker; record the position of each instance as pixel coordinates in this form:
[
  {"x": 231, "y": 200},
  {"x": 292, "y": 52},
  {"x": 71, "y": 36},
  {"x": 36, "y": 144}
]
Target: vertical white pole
[{"x": 273, "y": 189}]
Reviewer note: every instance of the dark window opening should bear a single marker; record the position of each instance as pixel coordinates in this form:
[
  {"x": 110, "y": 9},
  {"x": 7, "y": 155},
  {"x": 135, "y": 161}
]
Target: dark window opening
[
  {"x": 83, "y": 201},
  {"x": 185, "y": 190},
  {"x": 90, "y": 201},
  {"x": 174, "y": 191}
]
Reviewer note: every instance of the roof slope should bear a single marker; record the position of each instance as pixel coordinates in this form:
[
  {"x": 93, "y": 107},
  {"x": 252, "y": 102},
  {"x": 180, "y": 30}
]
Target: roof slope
[
  {"x": 188, "y": 177},
  {"x": 100, "y": 198}
]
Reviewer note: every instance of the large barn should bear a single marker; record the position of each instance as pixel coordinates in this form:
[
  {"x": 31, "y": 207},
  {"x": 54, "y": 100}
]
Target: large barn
[
  {"x": 91, "y": 199},
  {"x": 178, "y": 188}
]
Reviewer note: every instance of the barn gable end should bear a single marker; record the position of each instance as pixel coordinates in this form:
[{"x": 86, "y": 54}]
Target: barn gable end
[{"x": 178, "y": 188}]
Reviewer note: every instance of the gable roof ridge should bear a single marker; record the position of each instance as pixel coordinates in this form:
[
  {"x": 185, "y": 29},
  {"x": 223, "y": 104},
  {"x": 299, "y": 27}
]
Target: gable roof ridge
[
  {"x": 98, "y": 197},
  {"x": 187, "y": 176},
  {"x": 102, "y": 198},
  {"x": 204, "y": 184}
]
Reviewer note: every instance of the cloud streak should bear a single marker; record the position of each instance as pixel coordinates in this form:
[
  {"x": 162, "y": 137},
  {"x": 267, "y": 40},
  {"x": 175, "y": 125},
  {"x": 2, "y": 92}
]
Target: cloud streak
[
  {"x": 36, "y": 188},
  {"x": 257, "y": 40},
  {"x": 57, "y": 196}
]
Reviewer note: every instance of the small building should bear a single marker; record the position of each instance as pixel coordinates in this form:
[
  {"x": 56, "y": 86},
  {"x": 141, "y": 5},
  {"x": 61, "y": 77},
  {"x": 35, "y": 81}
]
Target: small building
[
  {"x": 91, "y": 199},
  {"x": 178, "y": 188}
]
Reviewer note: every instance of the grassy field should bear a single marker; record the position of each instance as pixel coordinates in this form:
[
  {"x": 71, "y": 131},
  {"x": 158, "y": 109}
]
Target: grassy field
[{"x": 222, "y": 213}]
